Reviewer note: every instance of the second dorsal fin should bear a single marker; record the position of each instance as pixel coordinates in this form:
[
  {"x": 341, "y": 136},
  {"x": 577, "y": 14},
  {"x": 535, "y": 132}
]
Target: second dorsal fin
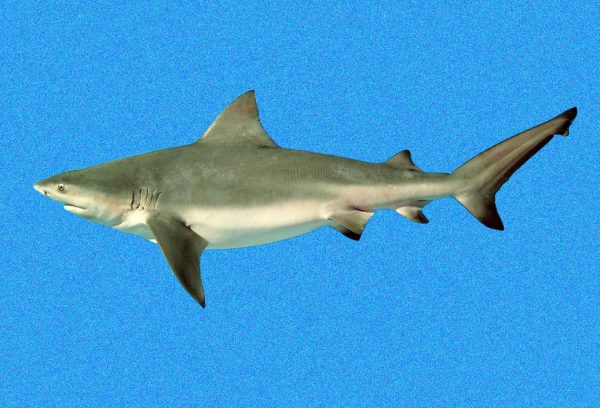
[
  {"x": 238, "y": 124},
  {"x": 402, "y": 160}
]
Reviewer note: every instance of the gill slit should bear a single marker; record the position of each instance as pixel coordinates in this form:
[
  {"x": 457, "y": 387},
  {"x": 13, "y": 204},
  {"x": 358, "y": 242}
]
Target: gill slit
[
  {"x": 139, "y": 201},
  {"x": 145, "y": 204}
]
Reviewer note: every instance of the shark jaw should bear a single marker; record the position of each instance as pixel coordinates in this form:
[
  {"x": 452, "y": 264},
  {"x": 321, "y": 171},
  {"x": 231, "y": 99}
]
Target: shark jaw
[{"x": 74, "y": 209}]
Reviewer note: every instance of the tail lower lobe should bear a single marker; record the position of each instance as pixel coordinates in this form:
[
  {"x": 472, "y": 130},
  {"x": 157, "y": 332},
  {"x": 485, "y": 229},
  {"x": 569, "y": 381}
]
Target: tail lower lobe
[{"x": 484, "y": 174}]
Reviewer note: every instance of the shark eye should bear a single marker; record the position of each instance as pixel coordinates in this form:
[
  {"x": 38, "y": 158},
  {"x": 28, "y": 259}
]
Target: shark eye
[{"x": 61, "y": 187}]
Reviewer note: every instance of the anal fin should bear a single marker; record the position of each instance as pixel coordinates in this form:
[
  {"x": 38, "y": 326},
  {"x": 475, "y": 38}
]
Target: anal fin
[
  {"x": 413, "y": 213},
  {"x": 351, "y": 223}
]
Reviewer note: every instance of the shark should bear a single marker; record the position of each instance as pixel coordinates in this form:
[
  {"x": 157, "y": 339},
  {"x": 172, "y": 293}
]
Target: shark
[{"x": 235, "y": 187}]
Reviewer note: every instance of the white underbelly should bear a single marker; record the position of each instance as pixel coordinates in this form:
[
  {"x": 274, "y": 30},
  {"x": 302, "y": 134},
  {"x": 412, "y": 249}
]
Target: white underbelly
[
  {"x": 134, "y": 222},
  {"x": 237, "y": 227}
]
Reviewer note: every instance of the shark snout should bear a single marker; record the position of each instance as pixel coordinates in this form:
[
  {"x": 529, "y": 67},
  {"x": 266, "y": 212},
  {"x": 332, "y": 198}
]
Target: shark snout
[
  {"x": 56, "y": 189},
  {"x": 37, "y": 187}
]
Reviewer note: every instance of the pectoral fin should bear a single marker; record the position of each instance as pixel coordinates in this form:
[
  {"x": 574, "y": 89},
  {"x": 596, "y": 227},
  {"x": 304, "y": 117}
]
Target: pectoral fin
[{"x": 182, "y": 248}]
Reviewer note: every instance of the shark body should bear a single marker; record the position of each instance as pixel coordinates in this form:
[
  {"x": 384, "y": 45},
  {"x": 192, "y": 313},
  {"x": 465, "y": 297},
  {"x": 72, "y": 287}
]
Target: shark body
[{"x": 235, "y": 187}]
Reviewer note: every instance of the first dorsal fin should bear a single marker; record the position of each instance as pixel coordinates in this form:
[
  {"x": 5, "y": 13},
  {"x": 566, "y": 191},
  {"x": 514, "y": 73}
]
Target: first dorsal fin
[
  {"x": 238, "y": 124},
  {"x": 402, "y": 160}
]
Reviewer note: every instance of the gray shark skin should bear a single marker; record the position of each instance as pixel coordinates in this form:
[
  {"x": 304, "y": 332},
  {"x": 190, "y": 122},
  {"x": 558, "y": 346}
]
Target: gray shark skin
[{"x": 235, "y": 187}]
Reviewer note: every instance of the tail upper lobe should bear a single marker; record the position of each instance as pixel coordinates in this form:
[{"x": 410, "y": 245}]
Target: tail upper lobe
[{"x": 484, "y": 174}]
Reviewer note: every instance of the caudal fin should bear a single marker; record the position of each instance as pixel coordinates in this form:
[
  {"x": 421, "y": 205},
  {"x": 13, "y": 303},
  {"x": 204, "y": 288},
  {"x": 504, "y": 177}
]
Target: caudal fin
[{"x": 484, "y": 174}]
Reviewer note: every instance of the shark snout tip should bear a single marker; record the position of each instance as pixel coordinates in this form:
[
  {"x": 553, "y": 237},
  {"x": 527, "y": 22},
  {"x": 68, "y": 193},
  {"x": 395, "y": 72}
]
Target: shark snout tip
[{"x": 39, "y": 189}]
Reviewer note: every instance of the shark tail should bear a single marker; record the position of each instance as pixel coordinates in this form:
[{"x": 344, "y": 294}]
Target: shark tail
[{"x": 483, "y": 175}]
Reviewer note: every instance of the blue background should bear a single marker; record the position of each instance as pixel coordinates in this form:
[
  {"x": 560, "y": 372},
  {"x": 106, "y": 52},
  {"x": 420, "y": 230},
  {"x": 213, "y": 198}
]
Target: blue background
[{"x": 450, "y": 313}]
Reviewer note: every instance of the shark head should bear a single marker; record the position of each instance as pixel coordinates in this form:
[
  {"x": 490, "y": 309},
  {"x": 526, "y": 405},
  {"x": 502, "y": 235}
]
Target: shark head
[{"x": 86, "y": 194}]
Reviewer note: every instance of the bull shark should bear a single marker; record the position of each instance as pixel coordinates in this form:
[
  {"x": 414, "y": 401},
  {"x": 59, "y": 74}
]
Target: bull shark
[{"x": 235, "y": 187}]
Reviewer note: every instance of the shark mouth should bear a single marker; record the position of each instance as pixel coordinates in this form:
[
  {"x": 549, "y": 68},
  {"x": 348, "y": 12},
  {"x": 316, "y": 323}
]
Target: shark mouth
[{"x": 74, "y": 209}]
